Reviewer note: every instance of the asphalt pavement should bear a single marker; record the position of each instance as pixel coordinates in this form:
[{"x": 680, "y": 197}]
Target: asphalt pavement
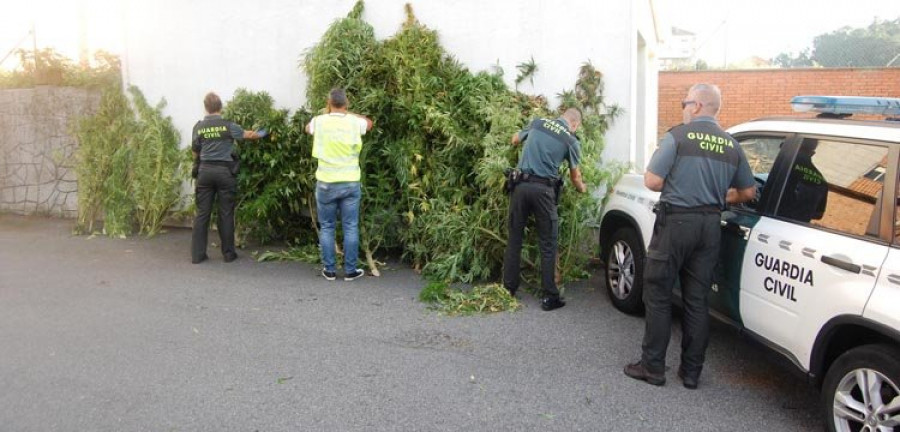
[{"x": 100, "y": 334}]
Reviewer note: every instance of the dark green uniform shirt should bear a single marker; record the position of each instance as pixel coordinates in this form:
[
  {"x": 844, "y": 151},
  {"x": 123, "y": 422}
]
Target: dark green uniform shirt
[{"x": 547, "y": 143}]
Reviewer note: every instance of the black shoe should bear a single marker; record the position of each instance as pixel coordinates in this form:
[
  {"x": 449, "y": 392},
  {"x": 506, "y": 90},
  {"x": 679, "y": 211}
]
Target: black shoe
[
  {"x": 199, "y": 260},
  {"x": 689, "y": 381},
  {"x": 329, "y": 275},
  {"x": 355, "y": 275},
  {"x": 639, "y": 372},
  {"x": 231, "y": 257},
  {"x": 550, "y": 303},
  {"x": 512, "y": 292}
]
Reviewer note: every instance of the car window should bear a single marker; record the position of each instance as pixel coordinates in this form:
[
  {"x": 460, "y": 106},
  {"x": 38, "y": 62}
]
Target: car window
[
  {"x": 836, "y": 185},
  {"x": 761, "y": 152},
  {"x": 897, "y": 218}
]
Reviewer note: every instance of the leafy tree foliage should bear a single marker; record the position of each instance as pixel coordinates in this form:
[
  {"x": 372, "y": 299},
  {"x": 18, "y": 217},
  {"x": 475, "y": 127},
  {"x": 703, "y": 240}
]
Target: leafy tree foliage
[
  {"x": 48, "y": 67},
  {"x": 874, "y": 46}
]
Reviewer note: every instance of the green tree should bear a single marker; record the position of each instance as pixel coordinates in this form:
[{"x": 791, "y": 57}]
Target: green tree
[
  {"x": 802, "y": 59},
  {"x": 874, "y": 46}
]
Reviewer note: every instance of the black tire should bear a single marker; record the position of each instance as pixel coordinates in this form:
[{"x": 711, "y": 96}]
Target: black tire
[
  {"x": 879, "y": 365},
  {"x": 624, "y": 270}
]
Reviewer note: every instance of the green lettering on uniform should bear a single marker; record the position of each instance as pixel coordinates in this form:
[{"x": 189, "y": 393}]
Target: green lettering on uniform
[
  {"x": 711, "y": 143},
  {"x": 553, "y": 127},
  {"x": 712, "y": 146},
  {"x": 808, "y": 174}
]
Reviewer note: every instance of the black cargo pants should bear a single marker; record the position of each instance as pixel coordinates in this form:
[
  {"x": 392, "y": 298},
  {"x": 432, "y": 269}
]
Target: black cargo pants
[
  {"x": 683, "y": 246},
  {"x": 536, "y": 199},
  {"x": 214, "y": 180}
]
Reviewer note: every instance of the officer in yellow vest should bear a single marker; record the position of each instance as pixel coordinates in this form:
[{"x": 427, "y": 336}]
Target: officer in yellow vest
[{"x": 337, "y": 141}]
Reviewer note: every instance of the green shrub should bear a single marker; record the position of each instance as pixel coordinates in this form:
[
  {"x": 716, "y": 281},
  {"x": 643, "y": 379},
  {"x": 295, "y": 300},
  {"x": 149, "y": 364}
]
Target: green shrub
[
  {"x": 157, "y": 164},
  {"x": 276, "y": 180},
  {"x": 129, "y": 166},
  {"x": 101, "y": 163},
  {"x": 432, "y": 167}
]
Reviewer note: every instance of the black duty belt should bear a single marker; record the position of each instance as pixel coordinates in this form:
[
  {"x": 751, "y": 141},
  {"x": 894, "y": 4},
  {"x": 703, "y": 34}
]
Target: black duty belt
[
  {"x": 217, "y": 163},
  {"x": 671, "y": 209},
  {"x": 531, "y": 178}
]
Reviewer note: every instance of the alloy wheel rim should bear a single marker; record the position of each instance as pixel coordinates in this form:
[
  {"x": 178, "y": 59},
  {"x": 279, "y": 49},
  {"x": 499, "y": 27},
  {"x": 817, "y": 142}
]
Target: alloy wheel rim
[
  {"x": 620, "y": 270},
  {"x": 866, "y": 400}
]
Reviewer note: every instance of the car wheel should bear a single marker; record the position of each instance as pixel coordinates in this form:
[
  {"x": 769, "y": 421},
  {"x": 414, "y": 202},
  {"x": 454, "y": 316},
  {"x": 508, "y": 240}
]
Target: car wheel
[
  {"x": 862, "y": 390},
  {"x": 625, "y": 270}
]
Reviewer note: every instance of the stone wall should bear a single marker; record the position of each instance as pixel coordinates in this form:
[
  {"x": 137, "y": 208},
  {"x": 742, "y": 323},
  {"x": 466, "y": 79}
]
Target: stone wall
[{"x": 37, "y": 150}]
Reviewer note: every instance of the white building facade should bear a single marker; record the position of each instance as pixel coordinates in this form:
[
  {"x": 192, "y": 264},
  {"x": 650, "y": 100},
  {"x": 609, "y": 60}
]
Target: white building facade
[{"x": 181, "y": 50}]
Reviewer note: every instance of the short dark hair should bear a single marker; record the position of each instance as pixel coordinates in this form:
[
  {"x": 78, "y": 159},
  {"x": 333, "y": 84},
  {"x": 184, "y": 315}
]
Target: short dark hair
[
  {"x": 573, "y": 114},
  {"x": 212, "y": 103},
  {"x": 338, "y": 97}
]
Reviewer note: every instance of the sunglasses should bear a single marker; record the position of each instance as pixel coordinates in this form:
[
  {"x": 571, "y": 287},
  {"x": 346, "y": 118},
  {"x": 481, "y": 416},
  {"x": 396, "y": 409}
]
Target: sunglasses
[{"x": 686, "y": 103}]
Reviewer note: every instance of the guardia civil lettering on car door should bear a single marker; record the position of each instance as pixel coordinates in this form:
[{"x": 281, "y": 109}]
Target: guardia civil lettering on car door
[
  {"x": 780, "y": 270},
  {"x": 811, "y": 268}
]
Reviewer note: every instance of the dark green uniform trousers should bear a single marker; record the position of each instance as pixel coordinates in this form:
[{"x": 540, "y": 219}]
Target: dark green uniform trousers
[
  {"x": 684, "y": 246},
  {"x": 214, "y": 181},
  {"x": 539, "y": 200}
]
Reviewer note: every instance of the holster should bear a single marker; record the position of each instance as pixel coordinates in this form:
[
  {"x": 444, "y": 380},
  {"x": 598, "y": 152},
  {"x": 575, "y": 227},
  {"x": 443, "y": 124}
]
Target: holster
[
  {"x": 557, "y": 188},
  {"x": 661, "y": 209},
  {"x": 513, "y": 177},
  {"x": 235, "y": 166},
  {"x": 195, "y": 167}
]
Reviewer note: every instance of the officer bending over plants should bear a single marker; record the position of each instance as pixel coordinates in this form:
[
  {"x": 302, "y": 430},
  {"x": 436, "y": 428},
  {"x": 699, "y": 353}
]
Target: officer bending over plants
[{"x": 535, "y": 187}]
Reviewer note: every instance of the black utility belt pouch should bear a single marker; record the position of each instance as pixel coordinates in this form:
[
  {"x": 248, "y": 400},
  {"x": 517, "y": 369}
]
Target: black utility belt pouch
[
  {"x": 235, "y": 164},
  {"x": 195, "y": 168},
  {"x": 513, "y": 177},
  {"x": 661, "y": 208}
]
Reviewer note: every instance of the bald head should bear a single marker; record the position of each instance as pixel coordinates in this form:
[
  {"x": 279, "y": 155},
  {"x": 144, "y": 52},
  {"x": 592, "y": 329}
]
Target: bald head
[
  {"x": 703, "y": 100},
  {"x": 573, "y": 118},
  {"x": 709, "y": 97}
]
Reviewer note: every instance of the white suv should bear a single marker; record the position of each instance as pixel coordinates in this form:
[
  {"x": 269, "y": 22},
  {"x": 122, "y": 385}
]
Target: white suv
[{"x": 811, "y": 268}]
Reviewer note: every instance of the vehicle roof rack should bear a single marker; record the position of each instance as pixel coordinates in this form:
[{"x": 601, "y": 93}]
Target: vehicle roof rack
[{"x": 844, "y": 106}]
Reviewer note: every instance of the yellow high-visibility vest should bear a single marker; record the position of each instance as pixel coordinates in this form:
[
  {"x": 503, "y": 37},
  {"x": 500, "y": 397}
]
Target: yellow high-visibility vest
[{"x": 337, "y": 141}]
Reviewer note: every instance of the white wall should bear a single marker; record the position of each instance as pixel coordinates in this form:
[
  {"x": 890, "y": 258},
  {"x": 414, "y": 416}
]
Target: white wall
[
  {"x": 645, "y": 64},
  {"x": 180, "y": 50}
]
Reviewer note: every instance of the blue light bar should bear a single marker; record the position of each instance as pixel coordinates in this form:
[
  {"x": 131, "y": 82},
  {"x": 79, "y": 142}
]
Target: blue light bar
[{"x": 846, "y": 105}]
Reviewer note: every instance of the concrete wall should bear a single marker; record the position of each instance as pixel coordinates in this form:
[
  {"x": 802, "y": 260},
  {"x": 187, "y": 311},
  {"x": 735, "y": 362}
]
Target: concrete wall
[
  {"x": 180, "y": 50},
  {"x": 749, "y": 94},
  {"x": 37, "y": 166}
]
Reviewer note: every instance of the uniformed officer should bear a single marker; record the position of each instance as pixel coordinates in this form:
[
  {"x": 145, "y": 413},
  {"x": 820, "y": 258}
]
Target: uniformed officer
[
  {"x": 698, "y": 168},
  {"x": 547, "y": 144},
  {"x": 212, "y": 142},
  {"x": 806, "y": 190}
]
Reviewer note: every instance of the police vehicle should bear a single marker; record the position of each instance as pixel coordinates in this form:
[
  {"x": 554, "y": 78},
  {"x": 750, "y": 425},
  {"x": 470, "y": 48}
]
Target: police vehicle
[{"x": 811, "y": 267}]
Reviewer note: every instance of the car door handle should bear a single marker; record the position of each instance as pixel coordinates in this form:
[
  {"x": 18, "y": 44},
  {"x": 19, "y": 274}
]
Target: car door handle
[
  {"x": 841, "y": 264},
  {"x": 894, "y": 279},
  {"x": 784, "y": 244},
  {"x": 763, "y": 238}
]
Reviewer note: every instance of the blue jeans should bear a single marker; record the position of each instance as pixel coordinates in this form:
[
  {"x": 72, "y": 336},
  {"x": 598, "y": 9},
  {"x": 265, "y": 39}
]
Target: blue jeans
[{"x": 331, "y": 198}]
